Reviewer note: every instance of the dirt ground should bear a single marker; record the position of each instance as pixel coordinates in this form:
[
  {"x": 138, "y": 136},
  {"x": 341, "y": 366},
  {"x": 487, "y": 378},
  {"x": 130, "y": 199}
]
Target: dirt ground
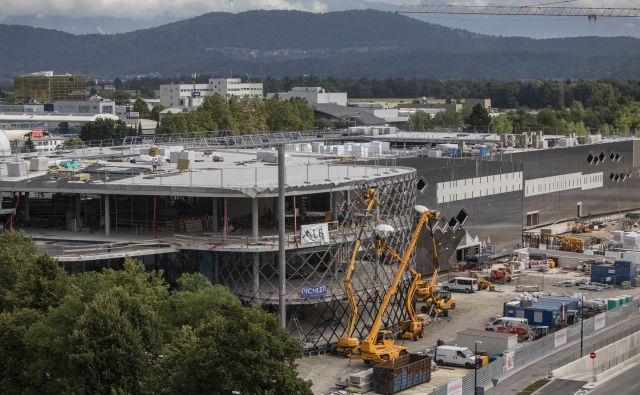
[{"x": 472, "y": 311}]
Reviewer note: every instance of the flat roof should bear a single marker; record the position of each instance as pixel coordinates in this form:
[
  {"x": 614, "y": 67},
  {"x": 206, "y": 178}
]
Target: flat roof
[
  {"x": 53, "y": 117},
  {"x": 239, "y": 174}
]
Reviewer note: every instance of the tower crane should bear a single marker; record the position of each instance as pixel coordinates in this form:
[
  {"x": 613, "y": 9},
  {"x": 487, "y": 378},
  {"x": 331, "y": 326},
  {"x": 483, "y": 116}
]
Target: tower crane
[{"x": 533, "y": 10}]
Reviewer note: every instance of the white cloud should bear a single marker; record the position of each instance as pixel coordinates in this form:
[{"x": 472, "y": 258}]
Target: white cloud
[{"x": 149, "y": 8}]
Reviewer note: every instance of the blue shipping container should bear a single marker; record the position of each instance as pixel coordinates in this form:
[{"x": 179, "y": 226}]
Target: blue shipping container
[
  {"x": 625, "y": 271},
  {"x": 603, "y": 274}
]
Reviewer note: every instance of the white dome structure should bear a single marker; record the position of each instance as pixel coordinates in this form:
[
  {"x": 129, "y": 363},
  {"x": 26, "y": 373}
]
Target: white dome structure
[{"x": 5, "y": 145}]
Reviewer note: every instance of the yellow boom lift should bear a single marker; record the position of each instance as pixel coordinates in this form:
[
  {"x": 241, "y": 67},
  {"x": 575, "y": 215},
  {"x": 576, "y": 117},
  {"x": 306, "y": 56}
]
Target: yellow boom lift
[
  {"x": 412, "y": 328},
  {"x": 347, "y": 343},
  {"x": 379, "y": 345},
  {"x": 439, "y": 302}
]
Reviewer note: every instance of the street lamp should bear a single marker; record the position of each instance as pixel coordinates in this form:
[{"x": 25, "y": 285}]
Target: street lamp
[
  {"x": 475, "y": 368},
  {"x": 581, "y": 323}
]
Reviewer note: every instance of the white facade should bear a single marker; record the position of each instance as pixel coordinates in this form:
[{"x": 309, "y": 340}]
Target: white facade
[
  {"x": 315, "y": 95},
  {"x": 85, "y": 107},
  {"x": 191, "y": 95}
]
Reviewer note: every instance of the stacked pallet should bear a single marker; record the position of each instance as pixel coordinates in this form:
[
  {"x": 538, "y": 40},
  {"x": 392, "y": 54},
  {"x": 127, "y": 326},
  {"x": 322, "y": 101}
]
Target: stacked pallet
[{"x": 361, "y": 382}]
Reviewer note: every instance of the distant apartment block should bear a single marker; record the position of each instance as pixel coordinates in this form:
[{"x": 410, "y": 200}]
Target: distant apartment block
[
  {"x": 191, "y": 95},
  {"x": 45, "y": 87},
  {"x": 314, "y": 95}
]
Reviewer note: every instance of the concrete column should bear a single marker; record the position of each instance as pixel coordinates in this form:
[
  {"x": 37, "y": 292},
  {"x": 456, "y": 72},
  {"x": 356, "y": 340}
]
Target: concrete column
[
  {"x": 255, "y": 217},
  {"x": 107, "y": 217},
  {"x": 27, "y": 214},
  {"x": 214, "y": 213},
  {"x": 256, "y": 274}
]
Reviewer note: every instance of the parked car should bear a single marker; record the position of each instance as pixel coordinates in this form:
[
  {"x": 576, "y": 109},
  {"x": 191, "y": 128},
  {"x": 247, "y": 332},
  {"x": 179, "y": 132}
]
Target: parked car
[{"x": 462, "y": 284}]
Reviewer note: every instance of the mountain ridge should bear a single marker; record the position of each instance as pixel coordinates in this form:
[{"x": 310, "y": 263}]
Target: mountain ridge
[{"x": 280, "y": 43}]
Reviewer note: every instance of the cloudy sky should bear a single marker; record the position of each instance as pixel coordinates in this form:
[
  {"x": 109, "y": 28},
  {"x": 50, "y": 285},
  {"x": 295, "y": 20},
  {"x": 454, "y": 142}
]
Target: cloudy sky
[
  {"x": 152, "y": 8},
  {"x": 147, "y": 13}
]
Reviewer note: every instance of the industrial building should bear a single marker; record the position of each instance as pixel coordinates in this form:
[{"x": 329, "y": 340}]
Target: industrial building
[
  {"x": 46, "y": 87},
  {"x": 314, "y": 95},
  {"x": 191, "y": 95},
  {"x": 208, "y": 204}
]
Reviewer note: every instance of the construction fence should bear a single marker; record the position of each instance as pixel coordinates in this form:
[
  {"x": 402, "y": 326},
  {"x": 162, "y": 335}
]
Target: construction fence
[{"x": 531, "y": 352}]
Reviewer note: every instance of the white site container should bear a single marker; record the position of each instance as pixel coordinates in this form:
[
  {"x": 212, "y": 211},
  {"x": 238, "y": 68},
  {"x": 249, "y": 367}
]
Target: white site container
[
  {"x": 316, "y": 146},
  {"x": 17, "y": 169},
  {"x": 39, "y": 164}
]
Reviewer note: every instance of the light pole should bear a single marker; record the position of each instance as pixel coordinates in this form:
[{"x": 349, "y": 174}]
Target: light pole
[
  {"x": 475, "y": 367},
  {"x": 581, "y": 323}
]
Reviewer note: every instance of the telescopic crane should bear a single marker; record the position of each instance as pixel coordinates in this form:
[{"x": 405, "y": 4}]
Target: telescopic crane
[
  {"x": 347, "y": 343},
  {"x": 379, "y": 345}
]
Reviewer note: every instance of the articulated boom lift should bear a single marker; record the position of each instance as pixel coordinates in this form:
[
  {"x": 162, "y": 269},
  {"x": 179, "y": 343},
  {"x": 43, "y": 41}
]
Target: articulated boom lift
[
  {"x": 426, "y": 290},
  {"x": 348, "y": 343},
  {"x": 379, "y": 345}
]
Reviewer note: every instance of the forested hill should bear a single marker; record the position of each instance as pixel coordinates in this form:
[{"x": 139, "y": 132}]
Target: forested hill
[{"x": 351, "y": 43}]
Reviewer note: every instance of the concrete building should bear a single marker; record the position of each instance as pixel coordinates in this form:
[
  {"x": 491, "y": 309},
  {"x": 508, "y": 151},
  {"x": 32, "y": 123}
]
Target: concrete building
[
  {"x": 45, "y": 87},
  {"x": 95, "y": 105},
  {"x": 191, "y": 95},
  {"x": 314, "y": 95},
  {"x": 219, "y": 217},
  {"x": 48, "y": 121},
  {"x": 42, "y": 141},
  {"x": 468, "y": 104}
]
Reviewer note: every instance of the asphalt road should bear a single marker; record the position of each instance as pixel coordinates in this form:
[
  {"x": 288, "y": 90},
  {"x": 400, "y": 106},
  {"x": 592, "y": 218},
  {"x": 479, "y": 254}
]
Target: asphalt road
[
  {"x": 521, "y": 379},
  {"x": 626, "y": 383},
  {"x": 561, "y": 387}
]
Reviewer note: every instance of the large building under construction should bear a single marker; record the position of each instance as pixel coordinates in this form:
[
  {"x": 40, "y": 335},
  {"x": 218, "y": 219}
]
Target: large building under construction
[{"x": 209, "y": 205}]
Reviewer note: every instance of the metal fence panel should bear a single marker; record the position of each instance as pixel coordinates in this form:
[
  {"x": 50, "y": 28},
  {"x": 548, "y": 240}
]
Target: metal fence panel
[{"x": 538, "y": 349}]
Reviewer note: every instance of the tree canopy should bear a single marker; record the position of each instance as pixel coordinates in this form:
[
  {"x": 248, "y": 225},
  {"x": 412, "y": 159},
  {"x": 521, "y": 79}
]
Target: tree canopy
[
  {"x": 128, "y": 332},
  {"x": 103, "y": 128},
  {"x": 241, "y": 115}
]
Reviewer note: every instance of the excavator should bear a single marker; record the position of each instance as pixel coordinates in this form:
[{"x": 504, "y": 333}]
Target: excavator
[
  {"x": 347, "y": 343},
  {"x": 439, "y": 302},
  {"x": 379, "y": 345}
]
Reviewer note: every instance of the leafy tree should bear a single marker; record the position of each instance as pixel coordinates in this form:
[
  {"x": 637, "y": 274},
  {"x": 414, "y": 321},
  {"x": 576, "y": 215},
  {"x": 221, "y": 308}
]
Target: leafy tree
[
  {"x": 479, "y": 117},
  {"x": 63, "y": 128},
  {"x": 28, "y": 145},
  {"x": 447, "y": 118},
  {"x": 155, "y": 112},
  {"x": 104, "y": 128},
  {"x": 123, "y": 331},
  {"x": 73, "y": 143},
  {"x": 220, "y": 112},
  {"x": 141, "y": 107},
  {"x": 17, "y": 252},
  {"x": 121, "y": 98},
  {"x": 501, "y": 124},
  {"x": 418, "y": 121}
]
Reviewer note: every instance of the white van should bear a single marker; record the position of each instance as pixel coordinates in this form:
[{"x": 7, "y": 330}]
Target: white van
[
  {"x": 511, "y": 322},
  {"x": 453, "y": 355},
  {"x": 463, "y": 284}
]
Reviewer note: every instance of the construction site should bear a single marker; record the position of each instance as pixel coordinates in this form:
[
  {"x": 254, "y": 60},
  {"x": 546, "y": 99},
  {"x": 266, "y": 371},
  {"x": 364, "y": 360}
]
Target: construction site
[{"x": 397, "y": 260}]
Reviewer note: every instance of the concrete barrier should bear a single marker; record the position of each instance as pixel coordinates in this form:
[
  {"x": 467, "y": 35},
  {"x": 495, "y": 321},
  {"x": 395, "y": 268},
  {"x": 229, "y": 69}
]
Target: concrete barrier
[{"x": 609, "y": 356}]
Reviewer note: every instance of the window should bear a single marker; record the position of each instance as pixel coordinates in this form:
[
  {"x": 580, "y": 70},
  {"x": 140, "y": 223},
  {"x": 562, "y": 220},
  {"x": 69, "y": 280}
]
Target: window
[
  {"x": 519, "y": 313},
  {"x": 537, "y": 316},
  {"x": 533, "y": 218}
]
